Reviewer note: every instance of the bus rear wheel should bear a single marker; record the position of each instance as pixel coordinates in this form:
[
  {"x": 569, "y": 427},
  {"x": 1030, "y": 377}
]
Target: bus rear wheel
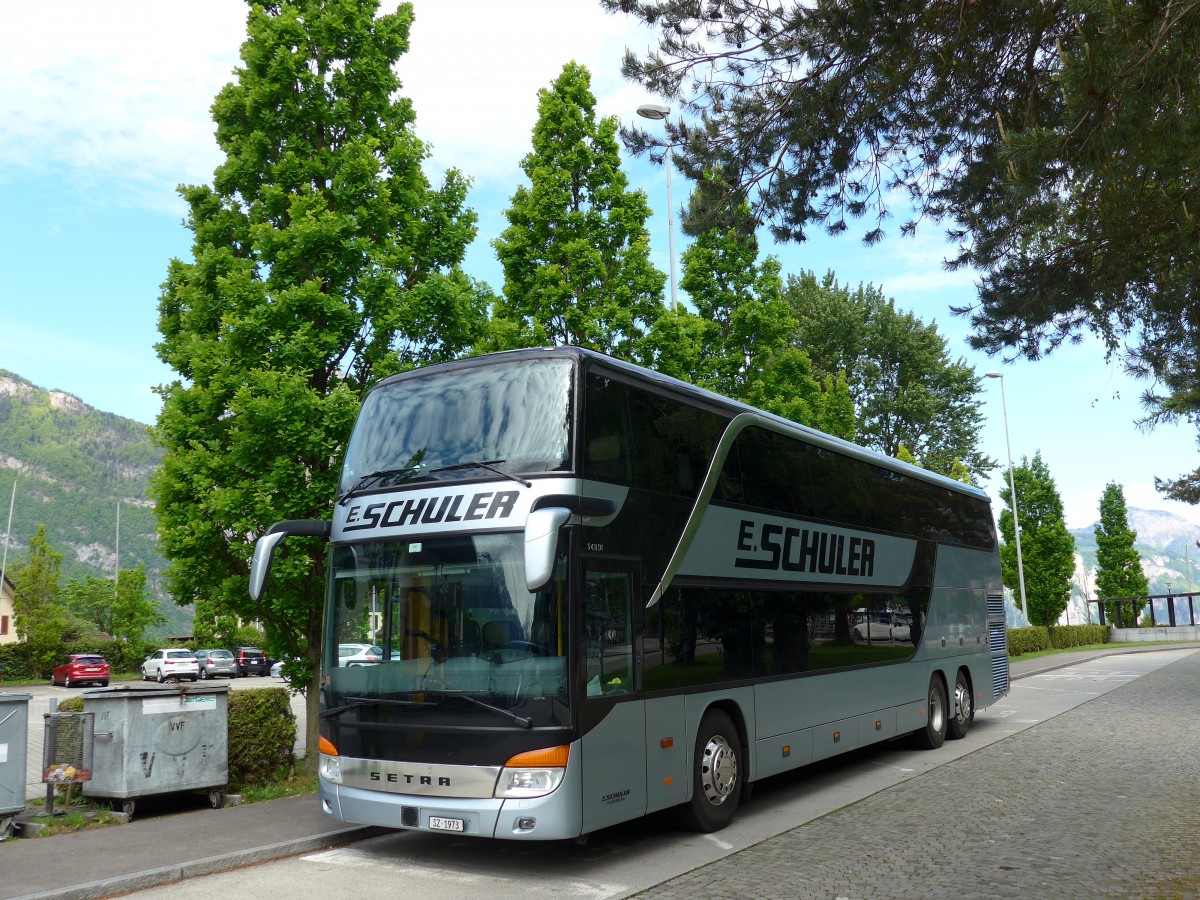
[
  {"x": 964, "y": 709},
  {"x": 933, "y": 735},
  {"x": 716, "y": 775}
]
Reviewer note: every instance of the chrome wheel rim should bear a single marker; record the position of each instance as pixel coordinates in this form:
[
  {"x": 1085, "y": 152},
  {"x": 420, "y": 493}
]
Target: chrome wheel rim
[
  {"x": 718, "y": 770},
  {"x": 962, "y": 704},
  {"x": 937, "y": 714}
]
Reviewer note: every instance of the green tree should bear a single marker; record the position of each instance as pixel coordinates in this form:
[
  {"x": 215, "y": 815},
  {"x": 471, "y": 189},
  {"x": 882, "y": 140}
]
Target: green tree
[
  {"x": 322, "y": 258},
  {"x": 91, "y": 598},
  {"x": 1047, "y": 547},
  {"x": 1052, "y": 139},
  {"x": 907, "y": 389},
  {"x": 39, "y": 617},
  {"x": 133, "y": 611},
  {"x": 1118, "y": 566},
  {"x": 576, "y": 253}
]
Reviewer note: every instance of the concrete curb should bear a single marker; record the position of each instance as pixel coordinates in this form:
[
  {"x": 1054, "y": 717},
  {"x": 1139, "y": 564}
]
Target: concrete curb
[{"x": 212, "y": 865}]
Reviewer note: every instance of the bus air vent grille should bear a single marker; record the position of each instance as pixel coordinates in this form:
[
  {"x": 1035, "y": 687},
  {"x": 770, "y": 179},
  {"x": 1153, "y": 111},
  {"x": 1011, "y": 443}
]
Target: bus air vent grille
[
  {"x": 410, "y": 817},
  {"x": 1000, "y": 675}
]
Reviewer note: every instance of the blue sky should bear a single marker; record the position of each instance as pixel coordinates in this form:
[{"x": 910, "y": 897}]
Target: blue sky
[{"x": 106, "y": 110}]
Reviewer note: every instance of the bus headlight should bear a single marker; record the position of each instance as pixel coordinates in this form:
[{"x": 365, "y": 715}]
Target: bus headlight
[
  {"x": 329, "y": 764},
  {"x": 330, "y": 768},
  {"x": 533, "y": 774}
]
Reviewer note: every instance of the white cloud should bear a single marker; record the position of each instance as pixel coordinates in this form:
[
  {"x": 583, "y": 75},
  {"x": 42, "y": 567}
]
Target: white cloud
[{"x": 119, "y": 93}]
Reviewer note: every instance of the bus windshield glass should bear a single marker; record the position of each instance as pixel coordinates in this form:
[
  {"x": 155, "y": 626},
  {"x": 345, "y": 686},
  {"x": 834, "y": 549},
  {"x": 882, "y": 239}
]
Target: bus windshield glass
[
  {"x": 449, "y": 622},
  {"x": 515, "y": 417}
]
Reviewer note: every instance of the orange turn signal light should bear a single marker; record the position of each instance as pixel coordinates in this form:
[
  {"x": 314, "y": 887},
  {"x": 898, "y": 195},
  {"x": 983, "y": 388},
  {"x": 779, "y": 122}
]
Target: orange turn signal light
[
  {"x": 550, "y": 757},
  {"x": 326, "y": 746}
]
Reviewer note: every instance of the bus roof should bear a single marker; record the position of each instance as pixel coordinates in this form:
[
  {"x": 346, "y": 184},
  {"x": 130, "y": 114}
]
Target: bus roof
[{"x": 707, "y": 397}]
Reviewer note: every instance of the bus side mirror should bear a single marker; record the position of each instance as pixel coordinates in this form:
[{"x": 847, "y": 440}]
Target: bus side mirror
[
  {"x": 264, "y": 547},
  {"x": 541, "y": 544},
  {"x": 260, "y": 565}
]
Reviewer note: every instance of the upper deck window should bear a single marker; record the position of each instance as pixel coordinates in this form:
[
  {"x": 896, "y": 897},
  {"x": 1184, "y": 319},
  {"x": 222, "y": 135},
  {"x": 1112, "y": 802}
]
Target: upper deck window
[{"x": 514, "y": 414}]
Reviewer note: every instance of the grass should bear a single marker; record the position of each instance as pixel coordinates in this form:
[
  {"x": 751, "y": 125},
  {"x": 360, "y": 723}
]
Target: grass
[{"x": 295, "y": 785}]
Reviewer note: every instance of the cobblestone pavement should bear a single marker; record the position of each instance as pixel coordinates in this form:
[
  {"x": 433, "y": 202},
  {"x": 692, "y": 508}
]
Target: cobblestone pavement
[{"x": 1029, "y": 816}]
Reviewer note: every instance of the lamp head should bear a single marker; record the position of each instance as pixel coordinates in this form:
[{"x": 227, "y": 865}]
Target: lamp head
[
  {"x": 655, "y": 111},
  {"x": 994, "y": 375}
]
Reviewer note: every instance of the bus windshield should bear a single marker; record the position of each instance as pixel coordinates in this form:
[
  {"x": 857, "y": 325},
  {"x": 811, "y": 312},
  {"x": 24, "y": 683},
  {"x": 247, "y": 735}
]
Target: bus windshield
[
  {"x": 516, "y": 416},
  {"x": 450, "y": 622}
]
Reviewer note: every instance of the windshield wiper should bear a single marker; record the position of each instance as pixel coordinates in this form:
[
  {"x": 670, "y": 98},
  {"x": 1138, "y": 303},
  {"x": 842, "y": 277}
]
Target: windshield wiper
[
  {"x": 523, "y": 721},
  {"x": 356, "y": 702},
  {"x": 492, "y": 465},
  {"x": 377, "y": 475}
]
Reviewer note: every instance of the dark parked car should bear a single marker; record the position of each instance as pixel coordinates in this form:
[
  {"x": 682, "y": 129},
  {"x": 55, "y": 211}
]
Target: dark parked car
[
  {"x": 216, "y": 662},
  {"x": 81, "y": 668},
  {"x": 251, "y": 661}
]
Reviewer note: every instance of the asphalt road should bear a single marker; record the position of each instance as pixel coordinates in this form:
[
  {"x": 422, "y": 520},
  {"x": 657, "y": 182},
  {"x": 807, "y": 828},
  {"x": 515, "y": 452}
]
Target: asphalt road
[{"x": 880, "y": 792}]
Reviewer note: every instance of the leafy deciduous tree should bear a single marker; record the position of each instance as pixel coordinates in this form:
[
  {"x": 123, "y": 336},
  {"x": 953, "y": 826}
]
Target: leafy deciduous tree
[
  {"x": 576, "y": 253},
  {"x": 906, "y": 388},
  {"x": 322, "y": 259},
  {"x": 1118, "y": 566},
  {"x": 1047, "y": 547}
]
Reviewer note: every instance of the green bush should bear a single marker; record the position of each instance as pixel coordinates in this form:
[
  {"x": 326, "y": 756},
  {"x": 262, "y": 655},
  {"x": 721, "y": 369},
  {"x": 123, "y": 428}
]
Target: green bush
[
  {"x": 1028, "y": 640},
  {"x": 262, "y": 733},
  {"x": 15, "y": 662},
  {"x": 74, "y": 703},
  {"x": 1078, "y": 635}
]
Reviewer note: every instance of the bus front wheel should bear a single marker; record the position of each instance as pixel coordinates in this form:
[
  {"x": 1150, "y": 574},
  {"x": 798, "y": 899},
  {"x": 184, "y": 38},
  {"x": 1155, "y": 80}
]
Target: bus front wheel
[
  {"x": 933, "y": 735},
  {"x": 963, "y": 713},
  {"x": 716, "y": 775}
]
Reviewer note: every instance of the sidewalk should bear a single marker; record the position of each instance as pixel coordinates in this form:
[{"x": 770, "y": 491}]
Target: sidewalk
[{"x": 165, "y": 848}]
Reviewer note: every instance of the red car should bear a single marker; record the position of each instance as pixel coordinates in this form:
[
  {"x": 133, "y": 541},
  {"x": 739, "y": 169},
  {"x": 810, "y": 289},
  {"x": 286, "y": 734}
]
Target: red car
[{"x": 81, "y": 668}]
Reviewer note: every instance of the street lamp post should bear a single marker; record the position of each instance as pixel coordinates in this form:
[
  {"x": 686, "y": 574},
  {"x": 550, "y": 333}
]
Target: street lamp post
[
  {"x": 1012, "y": 487},
  {"x": 658, "y": 112}
]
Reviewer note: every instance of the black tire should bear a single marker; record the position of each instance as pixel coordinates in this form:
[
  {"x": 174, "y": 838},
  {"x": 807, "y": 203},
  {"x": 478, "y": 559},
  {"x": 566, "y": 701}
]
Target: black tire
[
  {"x": 160, "y": 677},
  {"x": 67, "y": 682},
  {"x": 933, "y": 735},
  {"x": 963, "y": 712},
  {"x": 104, "y": 684},
  {"x": 716, "y": 775},
  {"x": 204, "y": 673}
]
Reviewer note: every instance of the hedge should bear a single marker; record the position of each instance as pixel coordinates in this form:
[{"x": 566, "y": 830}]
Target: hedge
[{"x": 1038, "y": 637}]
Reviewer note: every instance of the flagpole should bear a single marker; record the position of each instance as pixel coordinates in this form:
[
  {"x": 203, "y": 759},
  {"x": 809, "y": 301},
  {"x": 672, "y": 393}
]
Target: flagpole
[
  {"x": 117, "y": 565},
  {"x": 7, "y": 532}
]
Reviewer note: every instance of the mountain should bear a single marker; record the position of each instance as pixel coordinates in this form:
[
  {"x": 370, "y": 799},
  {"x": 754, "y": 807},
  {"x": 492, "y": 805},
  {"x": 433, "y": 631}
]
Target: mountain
[
  {"x": 72, "y": 465},
  {"x": 1167, "y": 546}
]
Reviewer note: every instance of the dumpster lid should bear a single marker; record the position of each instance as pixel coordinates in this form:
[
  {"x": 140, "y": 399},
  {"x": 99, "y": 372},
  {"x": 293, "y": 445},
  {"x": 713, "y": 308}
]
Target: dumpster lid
[
  {"x": 155, "y": 690},
  {"x": 14, "y": 698}
]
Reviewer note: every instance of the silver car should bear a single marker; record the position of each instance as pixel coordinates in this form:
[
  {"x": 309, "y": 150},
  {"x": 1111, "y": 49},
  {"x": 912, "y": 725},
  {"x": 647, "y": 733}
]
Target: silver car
[{"x": 216, "y": 662}]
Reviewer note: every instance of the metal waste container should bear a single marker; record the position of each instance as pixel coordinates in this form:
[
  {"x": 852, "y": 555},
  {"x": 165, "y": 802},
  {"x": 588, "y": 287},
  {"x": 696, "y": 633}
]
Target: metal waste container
[
  {"x": 159, "y": 740},
  {"x": 14, "y": 728}
]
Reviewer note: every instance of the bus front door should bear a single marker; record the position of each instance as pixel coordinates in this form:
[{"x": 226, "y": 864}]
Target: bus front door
[{"x": 614, "y": 741}]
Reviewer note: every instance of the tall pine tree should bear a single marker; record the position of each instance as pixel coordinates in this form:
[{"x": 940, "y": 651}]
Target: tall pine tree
[{"x": 1118, "y": 566}]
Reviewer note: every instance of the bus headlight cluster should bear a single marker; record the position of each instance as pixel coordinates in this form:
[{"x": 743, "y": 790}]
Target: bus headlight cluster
[
  {"x": 533, "y": 774},
  {"x": 329, "y": 764},
  {"x": 330, "y": 768},
  {"x": 516, "y": 783}
]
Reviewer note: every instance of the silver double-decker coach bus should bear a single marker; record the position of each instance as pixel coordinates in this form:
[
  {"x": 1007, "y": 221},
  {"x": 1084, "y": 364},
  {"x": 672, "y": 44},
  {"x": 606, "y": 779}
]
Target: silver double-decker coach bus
[{"x": 565, "y": 591}]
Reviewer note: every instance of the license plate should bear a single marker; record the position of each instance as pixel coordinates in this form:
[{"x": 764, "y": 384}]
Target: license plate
[{"x": 442, "y": 824}]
